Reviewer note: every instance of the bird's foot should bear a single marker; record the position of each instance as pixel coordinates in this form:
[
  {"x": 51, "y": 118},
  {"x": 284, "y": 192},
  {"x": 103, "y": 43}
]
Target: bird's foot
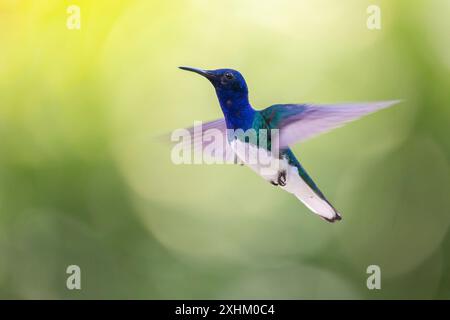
[{"x": 281, "y": 179}]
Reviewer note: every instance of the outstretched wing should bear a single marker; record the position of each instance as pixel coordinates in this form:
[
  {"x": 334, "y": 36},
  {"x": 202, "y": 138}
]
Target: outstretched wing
[
  {"x": 207, "y": 138},
  {"x": 299, "y": 122}
]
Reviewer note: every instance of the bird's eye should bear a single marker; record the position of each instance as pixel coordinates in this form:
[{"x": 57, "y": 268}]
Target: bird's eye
[{"x": 229, "y": 75}]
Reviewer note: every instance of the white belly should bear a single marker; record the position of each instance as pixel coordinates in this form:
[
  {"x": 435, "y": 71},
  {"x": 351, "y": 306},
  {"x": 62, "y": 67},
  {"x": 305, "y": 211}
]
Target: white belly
[
  {"x": 268, "y": 166},
  {"x": 259, "y": 160}
]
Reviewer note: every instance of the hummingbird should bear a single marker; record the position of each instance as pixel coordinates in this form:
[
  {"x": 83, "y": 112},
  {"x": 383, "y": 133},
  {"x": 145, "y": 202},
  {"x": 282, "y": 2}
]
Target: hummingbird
[{"x": 293, "y": 122}]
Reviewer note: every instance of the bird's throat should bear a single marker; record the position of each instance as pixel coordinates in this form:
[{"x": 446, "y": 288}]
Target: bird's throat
[{"x": 236, "y": 109}]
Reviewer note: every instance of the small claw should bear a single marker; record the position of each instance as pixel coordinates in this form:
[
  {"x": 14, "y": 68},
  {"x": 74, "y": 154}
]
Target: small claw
[
  {"x": 282, "y": 178},
  {"x": 337, "y": 217}
]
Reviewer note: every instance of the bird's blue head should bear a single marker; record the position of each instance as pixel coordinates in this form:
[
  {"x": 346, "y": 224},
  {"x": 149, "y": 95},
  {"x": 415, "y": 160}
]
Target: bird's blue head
[{"x": 232, "y": 93}]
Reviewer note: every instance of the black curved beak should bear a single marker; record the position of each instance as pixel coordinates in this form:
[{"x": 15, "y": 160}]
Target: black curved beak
[{"x": 206, "y": 73}]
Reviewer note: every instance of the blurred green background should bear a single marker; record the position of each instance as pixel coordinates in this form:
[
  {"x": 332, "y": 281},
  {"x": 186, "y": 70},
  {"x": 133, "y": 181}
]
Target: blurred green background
[{"x": 84, "y": 181}]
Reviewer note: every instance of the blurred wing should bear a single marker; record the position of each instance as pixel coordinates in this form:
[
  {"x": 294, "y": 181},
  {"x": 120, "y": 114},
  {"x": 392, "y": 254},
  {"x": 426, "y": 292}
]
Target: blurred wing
[
  {"x": 209, "y": 139},
  {"x": 299, "y": 122}
]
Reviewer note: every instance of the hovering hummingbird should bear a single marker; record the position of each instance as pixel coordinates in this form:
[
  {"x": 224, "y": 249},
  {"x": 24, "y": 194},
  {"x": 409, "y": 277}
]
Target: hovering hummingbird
[{"x": 294, "y": 122}]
